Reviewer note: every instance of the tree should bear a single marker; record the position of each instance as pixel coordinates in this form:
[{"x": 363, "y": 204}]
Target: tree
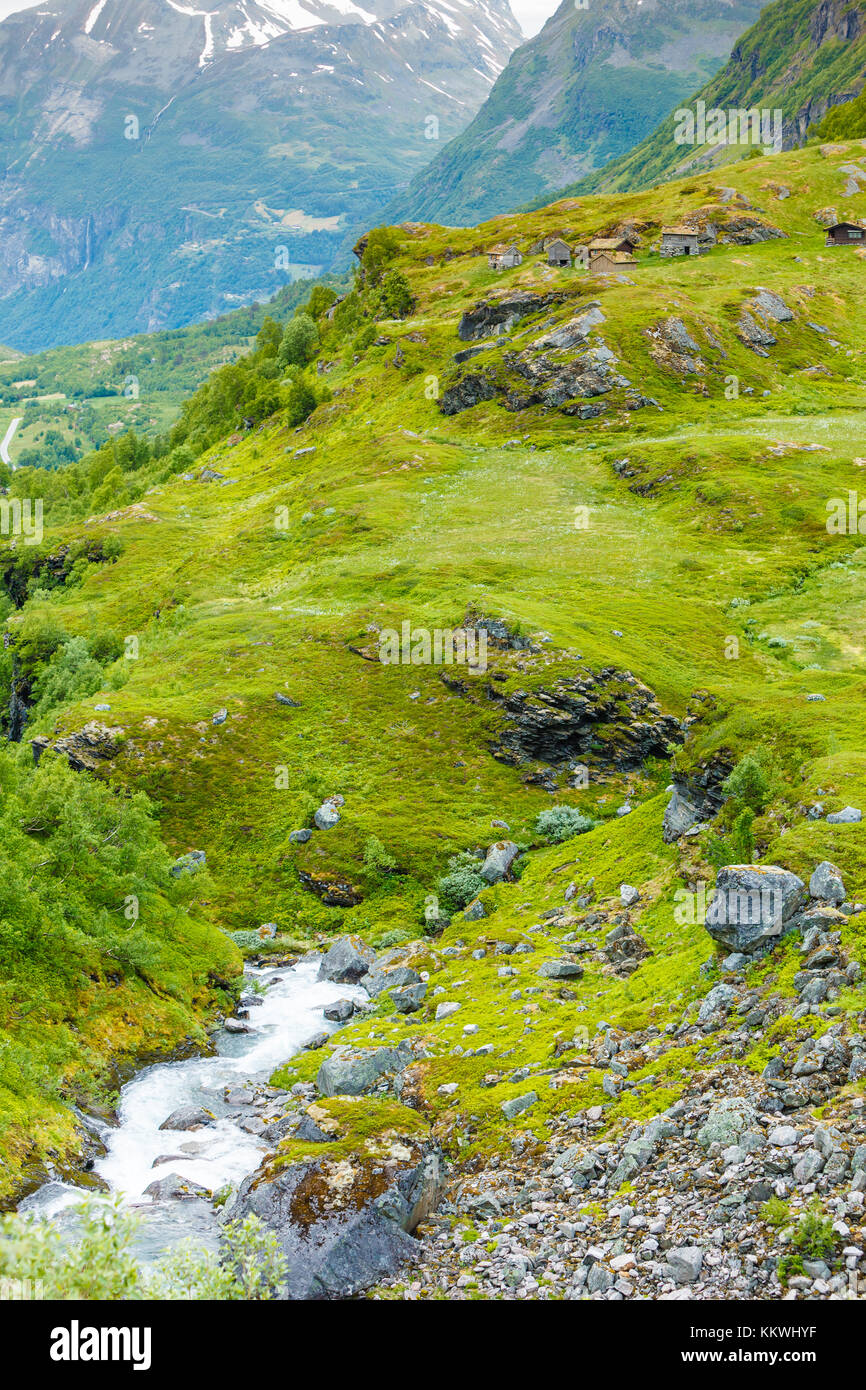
[
  {"x": 395, "y": 295},
  {"x": 301, "y": 402},
  {"x": 299, "y": 342},
  {"x": 320, "y": 301},
  {"x": 382, "y": 246},
  {"x": 268, "y": 338}
]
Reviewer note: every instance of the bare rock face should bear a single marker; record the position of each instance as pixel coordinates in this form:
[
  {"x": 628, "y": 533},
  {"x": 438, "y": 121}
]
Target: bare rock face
[
  {"x": 86, "y": 749},
  {"x": 346, "y": 1223},
  {"x": 469, "y": 391},
  {"x": 695, "y": 798},
  {"x": 564, "y": 722},
  {"x": 499, "y": 315},
  {"x": 333, "y": 891}
]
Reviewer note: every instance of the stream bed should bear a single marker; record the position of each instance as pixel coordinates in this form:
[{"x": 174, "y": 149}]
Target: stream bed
[{"x": 220, "y": 1153}]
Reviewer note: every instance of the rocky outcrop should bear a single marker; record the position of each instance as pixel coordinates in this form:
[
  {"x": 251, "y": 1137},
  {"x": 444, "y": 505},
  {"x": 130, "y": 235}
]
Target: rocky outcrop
[
  {"x": 610, "y": 719},
  {"x": 85, "y": 750},
  {"x": 345, "y": 1223},
  {"x": 496, "y": 316},
  {"x": 695, "y": 797},
  {"x": 673, "y": 347},
  {"x": 333, "y": 891},
  {"x": 469, "y": 391}
]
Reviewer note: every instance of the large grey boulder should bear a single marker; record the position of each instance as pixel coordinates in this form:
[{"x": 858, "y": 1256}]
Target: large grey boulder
[
  {"x": 685, "y": 1263},
  {"x": 561, "y": 969},
  {"x": 174, "y": 1188},
  {"x": 347, "y": 960},
  {"x": 388, "y": 977},
  {"x": 849, "y": 815},
  {"x": 753, "y": 906},
  {"x": 327, "y": 816},
  {"x": 826, "y": 883},
  {"x": 345, "y": 1224},
  {"x": 499, "y": 859},
  {"x": 719, "y": 1000},
  {"x": 189, "y": 1117},
  {"x": 340, "y": 1011},
  {"x": 350, "y": 1071},
  {"x": 410, "y": 999}
]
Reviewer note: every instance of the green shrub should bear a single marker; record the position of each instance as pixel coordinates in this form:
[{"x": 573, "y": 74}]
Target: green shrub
[
  {"x": 814, "y": 1237},
  {"x": 750, "y": 782},
  {"x": 461, "y": 884},
  {"x": 562, "y": 823},
  {"x": 98, "y": 1263},
  {"x": 299, "y": 342},
  {"x": 776, "y": 1212},
  {"x": 376, "y": 857},
  {"x": 395, "y": 937}
]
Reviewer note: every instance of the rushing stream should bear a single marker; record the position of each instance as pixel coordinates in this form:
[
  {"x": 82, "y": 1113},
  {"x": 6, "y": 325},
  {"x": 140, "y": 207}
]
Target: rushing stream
[{"x": 290, "y": 1012}]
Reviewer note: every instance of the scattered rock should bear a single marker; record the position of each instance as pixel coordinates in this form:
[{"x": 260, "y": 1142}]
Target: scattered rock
[
  {"x": 826, "y": 883},
  {"x": 347, "y": 961},
  {"x": 188, "y": 1117}
]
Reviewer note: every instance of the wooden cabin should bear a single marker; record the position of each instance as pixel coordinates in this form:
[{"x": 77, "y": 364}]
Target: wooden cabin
[
  {"x": 846, "y": 234},
  {"x": 503, "y": 257},
  {"x": 679, "y": 241},
  {"x": 607, "y": 262},
  {"x": 558, "y": 252}
]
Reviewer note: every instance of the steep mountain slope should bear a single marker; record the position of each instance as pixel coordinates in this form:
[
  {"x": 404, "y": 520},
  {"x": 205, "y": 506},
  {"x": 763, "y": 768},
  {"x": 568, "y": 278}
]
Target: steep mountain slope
[
  {"x": 632, "y": 484},
  {"x": 802, "y": 58},
  {"x": 164, "y": 163},
  {"x": 585, "y": 89}
]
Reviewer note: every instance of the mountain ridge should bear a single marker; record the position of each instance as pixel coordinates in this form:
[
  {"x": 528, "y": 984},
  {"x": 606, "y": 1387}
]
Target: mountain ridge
[
  {"x": 590, "y": 85},
  {"x": 802, "y": 58}
]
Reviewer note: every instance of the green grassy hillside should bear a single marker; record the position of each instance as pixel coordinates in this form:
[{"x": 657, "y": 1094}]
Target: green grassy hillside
[{"x": 678, "y": 534}]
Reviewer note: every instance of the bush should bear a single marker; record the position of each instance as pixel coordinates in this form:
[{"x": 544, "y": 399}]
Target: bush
[
  {"x": 300, "y": 403},
  {"x": 395, "y": 937},
  {"x": 562, "y": 823},
  {"x": 461, "y": 884},
  {"x": 395, "y": 296},
  {"x": 99, "y": 1264},
  {"x": 814, "y": 1237},
  {"x": 72, "y": 674},
  {"x": 376, "y": 857},
  {"x": 299, "y": 343},
  {"x": 749, "y": 784}
]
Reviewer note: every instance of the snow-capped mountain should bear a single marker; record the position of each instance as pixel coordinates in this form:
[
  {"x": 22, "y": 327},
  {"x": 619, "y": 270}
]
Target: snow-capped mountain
[{"x": 164, "y": 160}]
